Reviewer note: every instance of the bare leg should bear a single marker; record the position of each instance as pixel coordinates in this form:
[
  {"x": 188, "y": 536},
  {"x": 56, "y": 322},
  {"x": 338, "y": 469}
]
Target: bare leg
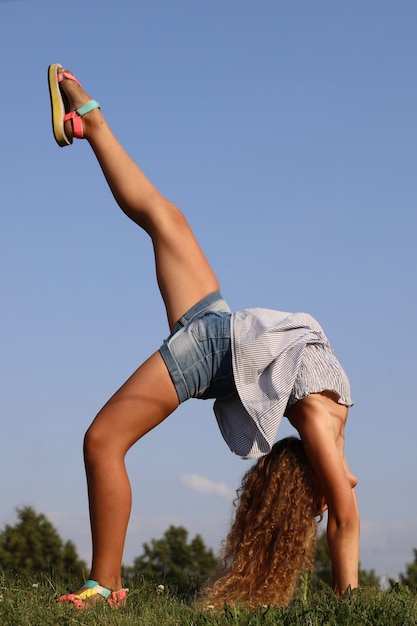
[
  {"x": 144, "y": 401},
  {"x": 183, "y": 272},
  {"x": 148, "y": 397}
]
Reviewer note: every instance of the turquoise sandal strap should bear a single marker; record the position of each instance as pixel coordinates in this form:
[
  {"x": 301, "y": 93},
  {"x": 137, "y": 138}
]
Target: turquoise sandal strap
[
  {"x": 86, "y": 108},
  {"x": 102, "y": 591}
]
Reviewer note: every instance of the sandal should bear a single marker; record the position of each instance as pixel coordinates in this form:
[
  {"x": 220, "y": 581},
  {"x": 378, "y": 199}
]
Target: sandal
[
  {"x": 114, "y": 598},
  {"x": 59, "y": 116}
]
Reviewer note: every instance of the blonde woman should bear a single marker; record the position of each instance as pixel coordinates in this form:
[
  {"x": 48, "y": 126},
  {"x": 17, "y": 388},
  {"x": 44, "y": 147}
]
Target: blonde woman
[{"x": 258, "y": 365}]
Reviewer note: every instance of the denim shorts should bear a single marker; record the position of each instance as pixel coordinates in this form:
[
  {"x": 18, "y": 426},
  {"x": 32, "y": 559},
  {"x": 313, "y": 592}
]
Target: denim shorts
[{"x": 198, "y": 354}]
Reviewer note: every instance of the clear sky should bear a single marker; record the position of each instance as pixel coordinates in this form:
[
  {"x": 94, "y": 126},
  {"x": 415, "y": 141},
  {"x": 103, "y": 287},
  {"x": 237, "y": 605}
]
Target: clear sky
[{"x": 286, "y": 131}]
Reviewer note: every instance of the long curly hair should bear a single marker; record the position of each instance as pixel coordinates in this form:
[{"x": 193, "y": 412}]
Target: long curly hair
[{"x": 272, "y": 539}]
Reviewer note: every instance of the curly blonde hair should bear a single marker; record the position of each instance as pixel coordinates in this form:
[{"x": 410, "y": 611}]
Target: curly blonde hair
[{"x": 272, "y": 539}]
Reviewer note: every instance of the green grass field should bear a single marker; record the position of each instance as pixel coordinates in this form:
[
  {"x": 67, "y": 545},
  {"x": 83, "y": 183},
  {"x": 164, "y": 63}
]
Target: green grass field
[{"x": 27, "y": 603}]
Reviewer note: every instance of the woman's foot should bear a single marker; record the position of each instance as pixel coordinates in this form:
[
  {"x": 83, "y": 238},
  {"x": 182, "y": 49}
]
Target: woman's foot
[
  {"x": 73, "y": 111},
  {"x": 91, "y": 593}
]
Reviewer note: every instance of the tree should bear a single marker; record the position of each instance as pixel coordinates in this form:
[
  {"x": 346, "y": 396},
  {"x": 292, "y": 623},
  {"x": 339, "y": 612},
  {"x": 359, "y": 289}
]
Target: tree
[
  {"x": 33, "y": 545},
  {"x": 173, "y": 561},
  {"x": 323, "y": 566},
  {"x": 410, "y": 576}
]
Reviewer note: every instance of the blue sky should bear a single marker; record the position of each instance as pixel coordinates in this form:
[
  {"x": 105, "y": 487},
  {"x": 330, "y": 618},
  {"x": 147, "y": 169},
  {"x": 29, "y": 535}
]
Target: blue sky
[{"x": 287, "y": 134}]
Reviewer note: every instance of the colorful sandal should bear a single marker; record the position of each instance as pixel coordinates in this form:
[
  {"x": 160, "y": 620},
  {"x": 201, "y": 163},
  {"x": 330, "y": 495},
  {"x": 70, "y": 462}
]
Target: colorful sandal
[
  {"x": 114, "y": 598},
  {"x": 59, "y": 116}
]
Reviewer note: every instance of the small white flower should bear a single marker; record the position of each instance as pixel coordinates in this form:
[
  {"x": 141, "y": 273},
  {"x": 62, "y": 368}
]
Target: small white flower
[
  {"x": 160, "y": 589},
  {"x": 35, "y": 585}
]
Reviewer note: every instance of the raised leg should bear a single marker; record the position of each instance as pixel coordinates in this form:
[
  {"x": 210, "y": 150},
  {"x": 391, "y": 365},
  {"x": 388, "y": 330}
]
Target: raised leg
[{"x": 183, "y": 272}]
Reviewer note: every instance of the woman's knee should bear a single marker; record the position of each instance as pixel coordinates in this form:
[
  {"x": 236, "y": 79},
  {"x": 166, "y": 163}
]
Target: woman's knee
[
  {"x": 165, "y": 222},
  {"x": 98, "y": 440}
]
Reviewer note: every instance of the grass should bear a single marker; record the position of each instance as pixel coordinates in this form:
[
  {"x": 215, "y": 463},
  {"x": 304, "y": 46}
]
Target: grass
[{"x": 24, "y": 602}]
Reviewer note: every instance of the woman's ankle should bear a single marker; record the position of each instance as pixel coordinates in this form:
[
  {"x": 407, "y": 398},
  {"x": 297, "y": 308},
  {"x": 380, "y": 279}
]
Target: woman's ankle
[{"x": 114, "y": 583}]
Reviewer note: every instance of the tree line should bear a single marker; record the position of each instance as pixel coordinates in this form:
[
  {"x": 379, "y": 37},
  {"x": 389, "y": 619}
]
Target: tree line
[{"x": 33, "y": 546}]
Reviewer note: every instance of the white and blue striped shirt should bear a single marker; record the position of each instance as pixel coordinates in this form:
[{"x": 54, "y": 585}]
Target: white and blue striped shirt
[{"x": 268, "y": 353}]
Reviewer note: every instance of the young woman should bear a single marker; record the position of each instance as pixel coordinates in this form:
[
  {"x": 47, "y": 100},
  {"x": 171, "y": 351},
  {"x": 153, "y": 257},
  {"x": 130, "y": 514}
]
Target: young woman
[{"x": 258, "y": 364}]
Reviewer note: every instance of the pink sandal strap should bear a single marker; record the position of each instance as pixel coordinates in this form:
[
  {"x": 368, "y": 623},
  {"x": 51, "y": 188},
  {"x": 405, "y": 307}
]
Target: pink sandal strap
[
  {"x": 60, "y": 77},
  {"x": 77, "y": 124}
]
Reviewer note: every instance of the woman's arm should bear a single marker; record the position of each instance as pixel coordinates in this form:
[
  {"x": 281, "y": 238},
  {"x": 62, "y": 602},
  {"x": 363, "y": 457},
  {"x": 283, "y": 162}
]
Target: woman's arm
[
  {"x": 343, "y": 541},
  {"x": 322, "y": 433}
]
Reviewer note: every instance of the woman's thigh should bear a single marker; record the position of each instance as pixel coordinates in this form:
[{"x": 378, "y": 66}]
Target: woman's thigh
[{"x": 141, "y": 403}]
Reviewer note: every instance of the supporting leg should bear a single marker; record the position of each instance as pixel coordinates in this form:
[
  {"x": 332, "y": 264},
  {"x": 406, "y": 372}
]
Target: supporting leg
[{"x": 144, "y": 401}]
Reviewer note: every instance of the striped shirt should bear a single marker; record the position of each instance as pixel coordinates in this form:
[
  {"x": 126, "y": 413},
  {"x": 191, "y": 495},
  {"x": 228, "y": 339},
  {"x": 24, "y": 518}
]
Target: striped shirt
[{"x": 274, "y": 366}]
